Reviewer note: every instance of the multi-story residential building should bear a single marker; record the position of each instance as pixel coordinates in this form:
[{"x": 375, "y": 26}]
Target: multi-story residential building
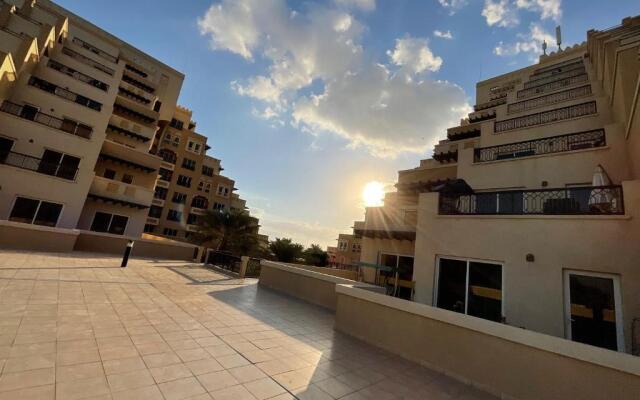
[
  {"x": 347, "y": 253},
  {"x": 79, "y": 110},
  {"x": 527, "y": 213},
  {"x": 189, "y": 181}
]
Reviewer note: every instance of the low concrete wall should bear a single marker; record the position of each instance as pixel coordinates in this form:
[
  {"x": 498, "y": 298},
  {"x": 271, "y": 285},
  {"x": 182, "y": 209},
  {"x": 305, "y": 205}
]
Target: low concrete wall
[
  {"x": 18, "y": 236},
  {"x": 509, "y": 362},
  {"x": 311, "y": 286},
  {"x": 115, "y": 244},
  {"x": 340, "y": 273}
]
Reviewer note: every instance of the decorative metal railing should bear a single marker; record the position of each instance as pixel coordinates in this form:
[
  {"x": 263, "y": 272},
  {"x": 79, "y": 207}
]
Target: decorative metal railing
[
  {"x": 552, "y": 98},
  {"x": 95, "y": 50},
  {"x": 587, "y": 200},
  {"x": 68, "y": 126},
  {"x": 492, "y": 103},
  {"x": 576, "y": 70},
  {"x": 446, "y": 157},
  {"x": 549, "y": 145},
  {"x": 77, "y": 75},
  {"x": 87, "y": 61},
  {"x": 559, "y": 114},
  {"x": 36, "y": 164},
  {"x": 551, "y": 86},
  {"x": 64, "y": 93},
  {"x": 225, "y": 261}
]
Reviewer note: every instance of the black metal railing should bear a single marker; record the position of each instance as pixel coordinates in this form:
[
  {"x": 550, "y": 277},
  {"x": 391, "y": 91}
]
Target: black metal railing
[
  {"x": 454, "y": 134},
  {"x": 77, "y": 75},
  {"x": 88, "y": 61},
  {"x": 136, "y": 70},
  {"x": 133, "y": 96},
  {"x": 551, "y": 86},
  {"x": 225, "y": 261},
  {"x": 587, "y": 200},
  {"x": 448, "y": 156},
  {"x": 253, "y": 268},
  {"x": 64, "y": 93},
  {"x": 95, "y": 50},
  {"x": 549, "y": 145},
  {"x": 553, "y": 98},
  {"x": 36, "y": 164},
  {"x": 559, "y": 114},
  {"x": 68, "y": 126},
  {"x": 138, "y": 84}
]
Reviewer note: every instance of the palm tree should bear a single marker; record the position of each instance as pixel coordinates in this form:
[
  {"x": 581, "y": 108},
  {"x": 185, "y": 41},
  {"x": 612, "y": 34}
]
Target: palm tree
[{"x": 234, "y": 231}]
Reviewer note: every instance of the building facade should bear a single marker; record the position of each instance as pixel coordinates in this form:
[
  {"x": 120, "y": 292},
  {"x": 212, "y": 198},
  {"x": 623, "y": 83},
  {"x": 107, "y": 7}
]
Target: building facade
[
  {"x": 79, "y": 111},
  {"x": 527, "y": 213},
  {"x": 347, "y": 251}
]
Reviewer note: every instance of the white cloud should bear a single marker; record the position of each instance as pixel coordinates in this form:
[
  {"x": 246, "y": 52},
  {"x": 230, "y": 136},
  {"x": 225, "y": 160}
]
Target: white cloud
[
  {"x": 386, "y": 108},
  {"x": 546, "y": 8},
  {"x": 453, "y": 5},
  {"x": 530, "y": 42},
  {"x": 365, "y": 5},
  {"x": 443, "y": 35},
  {"x": 500, "y": 13}
]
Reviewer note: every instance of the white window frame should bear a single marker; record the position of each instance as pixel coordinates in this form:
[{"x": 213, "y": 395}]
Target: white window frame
[
  {"x": 466, "y": 294},
  {"x": 15, "y": 199},
  {"x": 191, "y": 144},
  {"x": 110, "y": 221},
  {"x": 617, "y": 298}
]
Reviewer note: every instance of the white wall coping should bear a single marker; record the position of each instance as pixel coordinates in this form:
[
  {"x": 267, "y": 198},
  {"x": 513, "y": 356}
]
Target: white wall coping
[
  {"x": 135, "y": 239},
  {"x": 41, "y": 228},
  {"x": 594, "y": 355},
  {"x": 316, "y": 275}
]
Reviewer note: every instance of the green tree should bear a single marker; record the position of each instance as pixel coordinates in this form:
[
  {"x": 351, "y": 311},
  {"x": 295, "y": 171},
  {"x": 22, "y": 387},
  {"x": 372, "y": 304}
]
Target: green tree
[
  {"x": 314, "y": 255},
  {"x": 285, "y": 250},
  {"x": 234, "y": 231}
]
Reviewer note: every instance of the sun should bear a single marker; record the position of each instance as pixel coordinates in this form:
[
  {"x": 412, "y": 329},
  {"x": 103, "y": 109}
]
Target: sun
[{"x": 373, "y": 194}]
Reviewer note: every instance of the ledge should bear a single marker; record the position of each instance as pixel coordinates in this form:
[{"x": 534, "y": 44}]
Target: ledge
[
  {"x": 606, "y": 358},
  {"x": 559, "y": 153},
  {"x": 315, "y": 275},
  {"x": 540, "y": 216},
  {"x": 42, "y": 228}
]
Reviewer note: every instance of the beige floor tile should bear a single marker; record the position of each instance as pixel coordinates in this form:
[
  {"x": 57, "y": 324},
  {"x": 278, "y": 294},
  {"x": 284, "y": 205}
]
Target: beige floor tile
[
  {"x": 247, "y": 373},
  {"x": 130, "y": 380},
  {"x": 26, "y": 379},
  {"x": 264, "y": 388},
  {"x": 79, "y": 372},
  {"x": 33, "y": 349},
  {"x": 231, "y": 361},
  {"x": 217, "y": 380},
  {"x": 311, "y": 392},
  {"x": 193, "y": 354},
  {"x": 47, "y": 392},
  {"x": 123, "y": 365},
  {"x": 199, "y": 367},
  {"x": 114, "y": 353},
  {"x": 170, "y": 373},
  {"x": 274, "y": 367},
  {"x": 181, "y": 389},
  {"x": 335, "y": 388},
  {"x": 220, "y": 350},
  {"x": 82, "y": 389},
  {"x": 153, "y": 348},
  {"x": 71, "y": 357},
  {"x": 143, "y": 393},
  {"x": 237, "y": 392},
  {"x": 30, "y": 362}
]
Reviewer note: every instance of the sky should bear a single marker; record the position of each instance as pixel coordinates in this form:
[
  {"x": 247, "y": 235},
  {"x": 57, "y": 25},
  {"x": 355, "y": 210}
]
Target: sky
[{"x": 306, "y": 102}]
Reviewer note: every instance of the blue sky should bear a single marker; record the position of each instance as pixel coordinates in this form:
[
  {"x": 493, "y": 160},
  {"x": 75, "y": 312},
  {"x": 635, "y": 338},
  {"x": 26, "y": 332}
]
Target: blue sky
[{"x": 307, "y": 101}]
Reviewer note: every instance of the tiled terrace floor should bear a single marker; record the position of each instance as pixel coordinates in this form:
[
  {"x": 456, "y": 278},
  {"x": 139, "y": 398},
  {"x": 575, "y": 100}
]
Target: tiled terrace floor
[{"x": 76, "y": 326}]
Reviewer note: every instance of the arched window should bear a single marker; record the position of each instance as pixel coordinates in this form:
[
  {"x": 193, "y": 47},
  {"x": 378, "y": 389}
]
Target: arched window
[
  {"x": 200, "y": 202},
  {"x": 168, "y": 156}
]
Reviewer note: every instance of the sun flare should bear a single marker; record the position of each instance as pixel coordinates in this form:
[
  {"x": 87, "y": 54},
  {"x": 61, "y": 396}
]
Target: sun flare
[{"x": 373, "y": 194}]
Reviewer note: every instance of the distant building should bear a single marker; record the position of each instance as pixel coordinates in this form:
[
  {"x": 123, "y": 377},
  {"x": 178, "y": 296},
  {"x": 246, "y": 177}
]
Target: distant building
[{"x": 347, "y": 253}]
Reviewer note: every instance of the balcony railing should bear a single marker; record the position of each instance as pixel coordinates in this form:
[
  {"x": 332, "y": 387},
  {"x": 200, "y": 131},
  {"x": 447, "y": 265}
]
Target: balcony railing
[
  {"x": 577, "y": 70},
  {"x": 77, "y": 75},
  {"x": 450, "y": 156},
  {"x": 87, "y": 61},
  {"x": 35, "y": 164},
  {"x": 95, "y": 50},
  {"x": 552, "y": 98},
  {"x": 557, "y": 70},
  {"x": 492, "y": 103},
  {"x": 559, "y": 114},
  {"x": 64, "y": 93},
  {"x": 68, "y": 126},
  {"x": 133, "y": 96},
  {"x": 138, "y": 84},
  {"x": 551, "y": 86},
  {"x": 128, "y": 113},
  {"x": 555, "y": 66},
  {"x": 550, "y": 145},
  {"x": 136, "y": 70},
  {"x": 587, "y": 200},
  {"x": 125, "y": 132}
]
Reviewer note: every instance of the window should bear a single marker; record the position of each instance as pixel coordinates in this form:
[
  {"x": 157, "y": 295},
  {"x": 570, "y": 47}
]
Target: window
[
  {"x": 208, "y": 171},
  {"x": 126, "y": 178},
  {"x": 176, "y": 124},
  {"x": 179, "y": 198},
  {"x": 160, "y": 193},
  {"x": 109, "y": 173},
  {"x": 204, "y": 186},
  {"x": 223, "y": 191},
  {"x": 57, "y": 164},
  {"x": 192, "y": 219},
  {"x": 157, "y": 105},
  {"x": 355, "y": 248},
  {"x": 218, "y": 206},
  {"x": 170, "y": 232},
  {"x": 148, "y": 228},
  {"x": 199, "y": 202},
  {"x": 168, "y": 156},
  {"x": 403, "y": 266},
  {"x": 155, "y": 211},
  {"x": 342, "y": 245},
  {"x": 184, "y": 181},
  {"x": 470, "y": 287},
  {"x": 189, "y": 164},
  {"x": 165, "y": 174},
  {"x": 35, "y": 212},
  {"x": 5, "y": 148},
  {"x": 111, "y": 223},
  {"x": 194, "y": 147},
  {"x": 174, "y": 215}
]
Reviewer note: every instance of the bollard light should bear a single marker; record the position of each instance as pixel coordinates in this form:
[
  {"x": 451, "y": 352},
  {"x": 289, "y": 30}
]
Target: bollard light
[{"x": 127, "y": 253}]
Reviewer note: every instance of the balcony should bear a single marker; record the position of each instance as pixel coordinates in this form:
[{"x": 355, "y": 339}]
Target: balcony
[
  {"x": 87, "y": 61},
  {"x": 464, "y": 132},
  {"x": 31, "y": 114},
  {"x": 140, "y": 85},
  {"x": 483, "y": 115},
  {"x": 129, "y": 157},
  {"x": 120, "y": 193},
  {"x": 587, "y": 200},
  {"x": 128, "y": 113},
  {"x": 77, "y": 75},
  {"x": 449, "y": 156},
  {"x": 556, "y": 66},
  {"x": 549, "y": 99},
  {"x": 568, "y": 73},
  {"x": 559, "y": 114},
  {"x": 492, "y": 103},
  {"x": 132, "y": 96},
  {"x": 551, "y": 145},
  {"x": 125, "y": 132},
  {"x": 552, "y": 86},
  {"x": 64, "y": 93},
  {"x": 554, "y": 70},
  {"x": 136, "y": 71},
  {"x": 95, "y": 50},
  {"x": 35, "y": 164}
]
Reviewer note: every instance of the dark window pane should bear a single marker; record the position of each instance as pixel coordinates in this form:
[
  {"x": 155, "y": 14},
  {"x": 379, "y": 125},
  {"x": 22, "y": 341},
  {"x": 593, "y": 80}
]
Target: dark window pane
[
  {"x": 48, "y": 214},
  {"x": 126, "y": 178},
  {"x": 109, "y": 174},
  {"x": 24, "y": 210},
  {"x": 155, "y": 212},
  {"x": 118, "y": 224},
  {"x": 486, "y": 203},
  {"x": 101, "y": 222},
  {"x": 593, "y": 311},
  {"x": 452, "y": 277},
  {"x": 68, "y": 167},
  {"x": 5, "y": 148},
  {"x": 510, "y": 203},
  {"x": 50, "y": 162},
  {"x": 28, "y": 112},
  {"x": 485, "y": 291}
]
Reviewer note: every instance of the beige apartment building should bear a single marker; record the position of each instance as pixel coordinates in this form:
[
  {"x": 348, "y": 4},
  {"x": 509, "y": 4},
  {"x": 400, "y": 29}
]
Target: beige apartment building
[
  {"x": 79, "y": 111},
  {"x": 528, "y": 212},
  {"x": 347, "y": 251},
  {"x": 189, "y": 181}
]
